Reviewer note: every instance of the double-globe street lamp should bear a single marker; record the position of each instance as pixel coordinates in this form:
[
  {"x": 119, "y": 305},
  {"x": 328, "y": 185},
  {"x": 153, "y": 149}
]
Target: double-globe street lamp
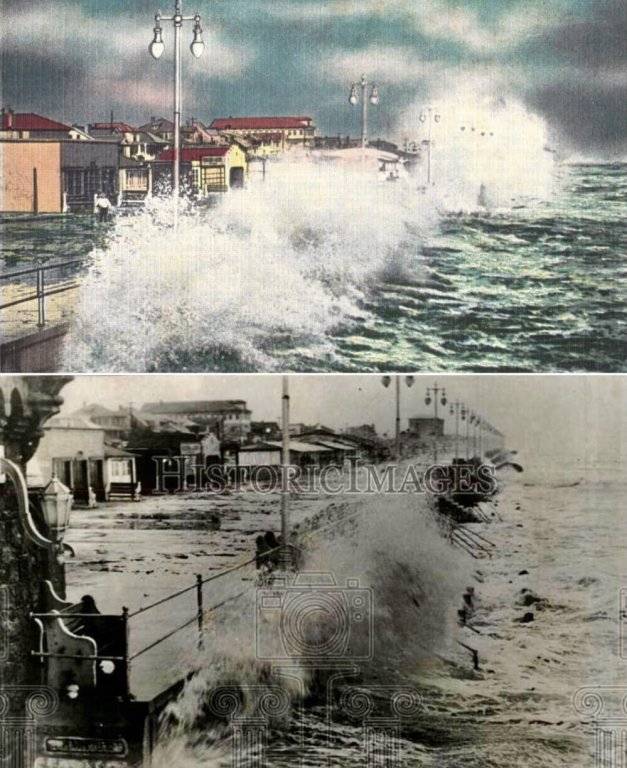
[
  {"x": 429, "y": 117},
  {"x": 354, "y": 100},
  {"x": 432, "y": 395},
  {"x": 476, "y": 423},
  {"x": 459, "y": 411},
  {"x": 386, "y": 381},
  {"x": 156, "y": 48}
]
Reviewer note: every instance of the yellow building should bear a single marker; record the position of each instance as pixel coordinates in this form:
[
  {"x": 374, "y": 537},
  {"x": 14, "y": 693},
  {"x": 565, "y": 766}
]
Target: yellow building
[
  {"x": 31, "y": 177},
  {"x": 212, "y": 169}
]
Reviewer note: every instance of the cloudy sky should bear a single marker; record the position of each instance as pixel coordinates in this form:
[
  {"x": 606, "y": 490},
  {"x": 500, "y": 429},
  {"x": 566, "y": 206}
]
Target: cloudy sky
[
  {"x": 564, "y": 59},
  {"x": 553, "y": 416}
]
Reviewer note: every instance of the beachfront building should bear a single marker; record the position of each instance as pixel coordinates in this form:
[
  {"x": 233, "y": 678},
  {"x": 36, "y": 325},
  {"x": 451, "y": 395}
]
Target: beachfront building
[
  {"x": 116, "y": 423},
  {"x": 88, "y": 168},
  {"x": 228, "y": 419},
  {"x": 56, "y": 176},
  {"x": 264, "y": 430},
  {"x": 302, "y": 454},
  {"x": 74, "y": 448},
  {"x": 30, "y": 172},
  {"x": 29, "y": 125},
  {"x": 168, "y": 459},
  {"x": 343, "y": 450},
  {"x": 134, "y": 181},
  {"x": 159, "y": 126},
  {"x": 270, "y": 134},
  {"x": 134, "y": 143},
  {"x": 425, "y": 427},
  {"x": 206, "y": 169}
]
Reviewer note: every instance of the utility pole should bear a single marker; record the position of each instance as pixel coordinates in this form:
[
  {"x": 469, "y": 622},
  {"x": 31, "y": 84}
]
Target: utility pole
[
  {"x": 285, "y": 466},
  {"x": 398, "y": 418}
]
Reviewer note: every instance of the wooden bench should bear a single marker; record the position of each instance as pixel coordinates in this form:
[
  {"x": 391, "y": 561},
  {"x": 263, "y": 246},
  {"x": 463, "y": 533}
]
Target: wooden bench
[
  {"x": 79, "y": 646},
  {"x": 130, "y": 491}
]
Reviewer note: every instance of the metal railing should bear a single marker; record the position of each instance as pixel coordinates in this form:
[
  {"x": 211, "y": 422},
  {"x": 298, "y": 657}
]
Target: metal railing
[
  {"x": 126, "y": 616},
  {"x": 198, "y": 618},
  {"x": 41, "y": 290}
]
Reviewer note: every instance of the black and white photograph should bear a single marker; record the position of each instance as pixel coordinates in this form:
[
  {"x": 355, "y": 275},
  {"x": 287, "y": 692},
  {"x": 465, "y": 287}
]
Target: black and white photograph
[{"x": 313, "y": 571}]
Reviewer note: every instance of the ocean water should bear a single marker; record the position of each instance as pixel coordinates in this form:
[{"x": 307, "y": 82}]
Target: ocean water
[
  {"x": 326, "y": 269},
  {"x": 415, "y": 699}
]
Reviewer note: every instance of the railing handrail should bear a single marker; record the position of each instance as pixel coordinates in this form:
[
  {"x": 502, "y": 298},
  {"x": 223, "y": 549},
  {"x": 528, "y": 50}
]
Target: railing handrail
[
  {"x": 127, "y": 659},
  {"x": 194, "y": 618},
  {"x": 206, "y": 580},
  {"x": 41, "y": 292},
  {"x": 40, "y": 268}
]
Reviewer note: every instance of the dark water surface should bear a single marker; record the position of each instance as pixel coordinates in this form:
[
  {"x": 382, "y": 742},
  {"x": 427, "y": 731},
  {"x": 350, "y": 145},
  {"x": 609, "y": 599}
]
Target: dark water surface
[{"x": 538, "y": 287}]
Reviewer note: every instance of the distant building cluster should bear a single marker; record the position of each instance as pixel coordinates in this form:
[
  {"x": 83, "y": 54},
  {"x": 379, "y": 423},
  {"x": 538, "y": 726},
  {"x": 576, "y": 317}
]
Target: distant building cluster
[
  {"x": 50, "y": 167},
  {"x": 103, "y": 453}
]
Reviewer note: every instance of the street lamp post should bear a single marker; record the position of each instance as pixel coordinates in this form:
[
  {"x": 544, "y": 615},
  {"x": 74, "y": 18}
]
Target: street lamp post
[
  {"x": 474, "y": 421},
  {"x": 156, "y": 48},
  {"x": 433, "y": 392},
  {"x": 285, "y": 468},
  {"x": 470, "y": 418},
  {"x": 386, "y": 381},
  {"x": 456, "y": 408},
  {"x": 429, "y": 117},
  {"x": 354, "y": 100}
]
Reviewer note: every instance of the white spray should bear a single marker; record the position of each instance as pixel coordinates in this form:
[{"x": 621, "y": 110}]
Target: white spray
[
  {"x": 291, "y": 258},
  {"x": 414, "y": 581},
  {"x": 487, "y": 151}
]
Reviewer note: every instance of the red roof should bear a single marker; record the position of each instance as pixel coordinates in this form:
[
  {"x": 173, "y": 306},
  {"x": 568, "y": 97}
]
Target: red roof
[
  {"x": 252, "y": 123},
  {"x": 193, "y": 153},
  {"x": 29, "y": 121}
]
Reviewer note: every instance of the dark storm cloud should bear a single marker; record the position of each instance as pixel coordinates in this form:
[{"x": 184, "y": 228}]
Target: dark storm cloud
[
  {"x": 583, "y": 89},
  {"x": 76, "y": 59},
  {"x": 591, "y": 116},
  {"x": 42, "y": 82},
  {"x": 594, "y": 42}
]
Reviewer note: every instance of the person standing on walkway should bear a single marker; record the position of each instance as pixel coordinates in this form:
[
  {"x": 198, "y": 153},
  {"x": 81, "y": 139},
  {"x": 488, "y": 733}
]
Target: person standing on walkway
[{"x": 103, "y": 206}]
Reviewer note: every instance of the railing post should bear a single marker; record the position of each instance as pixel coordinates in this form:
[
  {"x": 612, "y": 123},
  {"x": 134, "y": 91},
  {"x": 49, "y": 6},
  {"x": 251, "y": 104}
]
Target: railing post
[
  {"x": 41, "y": 306},
  {"x": 200, "y": 611},
  {"x": 127, "y": 659}
]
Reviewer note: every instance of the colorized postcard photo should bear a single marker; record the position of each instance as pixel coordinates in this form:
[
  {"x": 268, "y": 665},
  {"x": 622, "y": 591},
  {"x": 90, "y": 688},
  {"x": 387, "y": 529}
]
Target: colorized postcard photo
[{"x": 313, "y": 185}]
